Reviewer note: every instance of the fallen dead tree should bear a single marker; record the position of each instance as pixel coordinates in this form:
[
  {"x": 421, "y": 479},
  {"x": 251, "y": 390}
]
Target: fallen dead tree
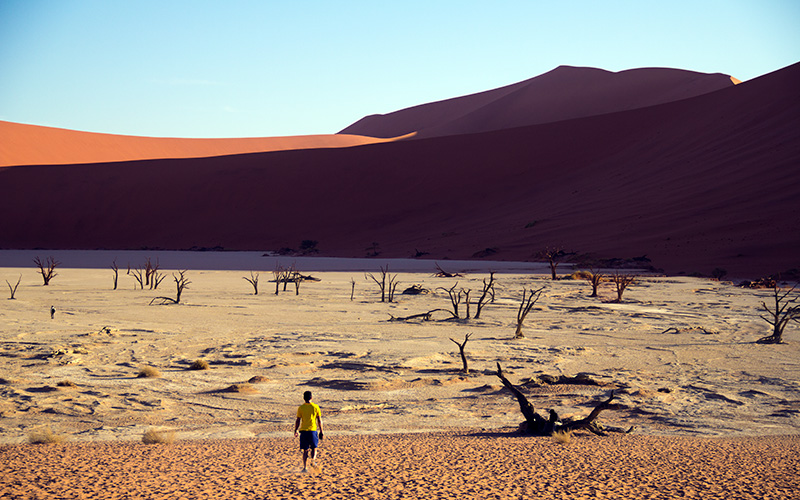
[
  {"x": 441, "y": 273},
  {"x": 426, "y": 316},
  {"x": 537, "y": 425}
]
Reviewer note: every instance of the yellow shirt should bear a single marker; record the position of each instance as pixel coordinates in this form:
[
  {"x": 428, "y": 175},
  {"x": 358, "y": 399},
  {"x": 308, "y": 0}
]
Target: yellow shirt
[{"x": 308, "y": 413}]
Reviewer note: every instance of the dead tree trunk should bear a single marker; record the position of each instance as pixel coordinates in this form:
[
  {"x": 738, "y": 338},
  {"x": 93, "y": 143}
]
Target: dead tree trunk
[
  {"x": 156, "y": 279},
  {"x": 138, "y": 276},
  {"x": 621, "y": 281},
  {"x": 455, "y": 298},
  {"x": 282, "y": 275},
  {"x": 595, "y": 278},
  {"x": 780, "y": 315},
  {"x": 352, "y": 288},
  {"x": 253, "y": 280},
  {"x": 47, "y": 268},
  {"x": 525, "y": 307},
  {"x": 181, "y": 283},
  {"x": 461, "y": 347},
  {"x": 13, "y": 289},
  {"x": 115, "y": 268},
  {"x": 392, "y": 285},
  {"x": 486, "y": 293},
  {"x": 553, "y": 256},
  {"x": 538, "y": 425},
  {"x": 382, "y": 282}
]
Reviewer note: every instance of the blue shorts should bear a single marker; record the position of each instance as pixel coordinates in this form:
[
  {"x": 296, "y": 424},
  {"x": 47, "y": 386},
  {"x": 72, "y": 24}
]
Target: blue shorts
[{"x": 309, "y": 439}]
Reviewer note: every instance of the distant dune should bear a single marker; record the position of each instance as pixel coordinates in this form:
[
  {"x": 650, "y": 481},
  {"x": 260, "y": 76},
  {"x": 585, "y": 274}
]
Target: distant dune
[
  {"x": 564, "y": 93},
  {"x": 693, "y": 184},
  {"x": 34, "y": 145}
]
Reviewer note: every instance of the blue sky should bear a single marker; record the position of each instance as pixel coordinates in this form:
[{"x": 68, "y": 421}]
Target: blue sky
[{"x": 265, "y": 68}]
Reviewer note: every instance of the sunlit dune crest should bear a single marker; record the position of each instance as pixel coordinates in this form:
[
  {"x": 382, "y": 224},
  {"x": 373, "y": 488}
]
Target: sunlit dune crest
[
  {"x": 23, "y": 144},
  {"x": 735, "y": 80}
]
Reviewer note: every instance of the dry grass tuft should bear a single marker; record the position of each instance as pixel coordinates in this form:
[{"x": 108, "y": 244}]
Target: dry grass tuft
[
  {"x": 258, "y": 379},
  {"x": 240, "y": 388},
  {"x": 152, "y": 436},
  {"x": 68, "y": 384},
  {"x": 44, "y": 435},
  {"x": 580, "y": 275},
  {"x": 148, "y": 372},
  {"x": 562, "y": 437},
  {"x": 200, "y": 364}
]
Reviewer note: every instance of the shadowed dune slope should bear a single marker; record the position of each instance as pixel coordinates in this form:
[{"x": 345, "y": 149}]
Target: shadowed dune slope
[
  {"x": 694, "y": 184},
  {"x": 564, "y": 93},
  {"x": 22, "y": 144}
]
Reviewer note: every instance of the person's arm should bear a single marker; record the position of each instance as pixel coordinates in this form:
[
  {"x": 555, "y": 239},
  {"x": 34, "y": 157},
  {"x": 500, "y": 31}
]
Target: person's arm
[
  {"x": 319, "y": 425},
  {"x": 296, "y": 426}
]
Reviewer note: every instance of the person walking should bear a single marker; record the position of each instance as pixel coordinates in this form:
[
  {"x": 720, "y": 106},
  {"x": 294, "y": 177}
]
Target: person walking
[{"x": 309, "y": 426}]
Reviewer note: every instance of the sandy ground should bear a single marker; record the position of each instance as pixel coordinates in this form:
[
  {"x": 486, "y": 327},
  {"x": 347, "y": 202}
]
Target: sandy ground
[
  {"x": 437, "y": 466},
  {"x": 714, "y": 413}
]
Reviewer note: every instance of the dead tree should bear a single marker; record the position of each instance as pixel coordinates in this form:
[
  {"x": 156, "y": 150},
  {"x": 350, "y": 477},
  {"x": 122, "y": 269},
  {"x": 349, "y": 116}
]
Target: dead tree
[
  {"x": 621, "y": 282},
  {"x": 486, "y": 294},
  {"x": 138, "y": 275},
  {"x": 392, "y": 287},
  {"x": 283, "y": 275},
  {"x": 441, "y": 273},
  {"x": 47, "y": 268},
  {"x": 593, "y": 277},
  {"x": 461, "y": 347},
  {"x": 152, "y": 276},
  {"x": 181, "y": 284},
  {"x": 155, "y": 279},
  {"x": 780, "y": 314},
  {"x": 289, "y": 275},
  {"x": 553, "y": 257},
  {"x": 253, "y": 280},
  {"x": 115, "y": 268},
  {"x": 466, "y": 301},
  {"x": 278, "y": 273},
  {"x": 383, "y": 284},
  {"x": 525, "y": 306},
  {"x": 13, "y": 289},
  {"x": 455, "y": 298},
  {"x": 352, "y": 288},
  {"x": 539, "y": 426}
]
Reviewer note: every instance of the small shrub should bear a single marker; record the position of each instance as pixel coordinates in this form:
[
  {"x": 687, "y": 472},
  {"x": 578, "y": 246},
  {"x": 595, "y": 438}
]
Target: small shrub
[
  {"x": 44, "y": 435},
  {"x": 67, "y": 383},
  {"x": 258, "y": 379},
  {"x": 200, "y": 364},
  {"x": 562, "y": 437},
  {"x": 148, "y": 372},
  {"x": 240, "y": 388},
  {"x": 152, "y": 436}
]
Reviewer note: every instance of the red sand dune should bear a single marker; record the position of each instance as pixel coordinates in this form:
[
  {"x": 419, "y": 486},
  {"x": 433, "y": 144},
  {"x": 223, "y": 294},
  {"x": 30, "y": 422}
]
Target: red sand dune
[
  {"x": 695, "y": 184},
  {"x": 34, "y": 145},
  {"x": 564, "y": 93}
]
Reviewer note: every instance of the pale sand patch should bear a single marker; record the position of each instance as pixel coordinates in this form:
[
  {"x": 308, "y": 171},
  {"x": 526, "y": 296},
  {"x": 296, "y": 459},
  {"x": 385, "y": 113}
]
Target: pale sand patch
[
  {"x": 431, "y": 466},
  {"x": 375, "y": 376}
]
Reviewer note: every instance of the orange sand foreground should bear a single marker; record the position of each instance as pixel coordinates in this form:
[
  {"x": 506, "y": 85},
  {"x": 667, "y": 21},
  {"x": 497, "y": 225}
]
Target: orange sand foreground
[{"x": 444, "y": 466}]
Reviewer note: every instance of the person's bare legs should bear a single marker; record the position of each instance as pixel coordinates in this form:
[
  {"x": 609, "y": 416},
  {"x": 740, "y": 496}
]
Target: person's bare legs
[
  {"x": 305, "y": 459},
  {"x": 313, "y": 457}
]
